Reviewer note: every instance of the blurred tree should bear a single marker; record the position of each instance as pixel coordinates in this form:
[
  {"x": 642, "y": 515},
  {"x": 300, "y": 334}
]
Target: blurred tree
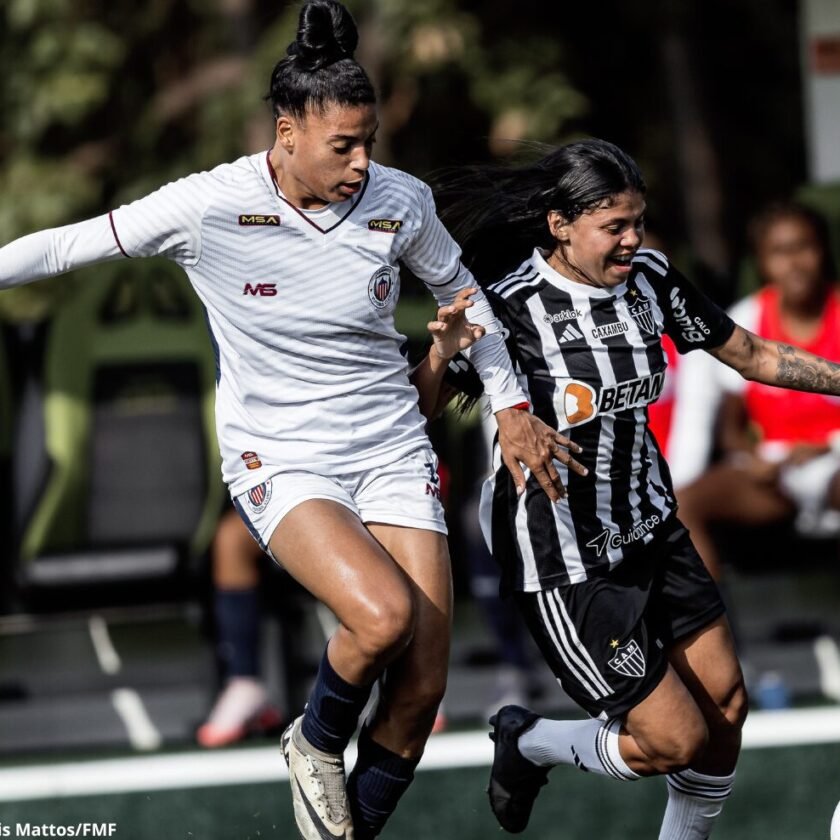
[{"x": 104, "y": 100}]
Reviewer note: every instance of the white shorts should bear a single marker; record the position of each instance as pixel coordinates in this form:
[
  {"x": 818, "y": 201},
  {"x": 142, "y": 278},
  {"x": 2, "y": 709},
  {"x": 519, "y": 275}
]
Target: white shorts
[
  {"x": 406, "y": 493},
  {"x": 807, "y": 486}
]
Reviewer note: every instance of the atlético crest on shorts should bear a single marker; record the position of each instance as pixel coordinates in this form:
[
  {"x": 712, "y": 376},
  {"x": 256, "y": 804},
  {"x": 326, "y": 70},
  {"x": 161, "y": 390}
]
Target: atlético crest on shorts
[
  {"x": 259, "y": 496},
  {"x": 629, "y": 660},
  {"x": 641, "y": 311},
  {"x": 382, "y": 286}
]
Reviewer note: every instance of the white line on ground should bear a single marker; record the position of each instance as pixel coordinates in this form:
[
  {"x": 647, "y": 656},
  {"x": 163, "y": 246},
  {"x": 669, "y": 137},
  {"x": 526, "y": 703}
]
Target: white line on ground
[
  {"x": 142, "y": 733},
  {"x": 103, "y": 647},
  {"x": 265, "y": 764},
  {"x": 828, "y": 661}
]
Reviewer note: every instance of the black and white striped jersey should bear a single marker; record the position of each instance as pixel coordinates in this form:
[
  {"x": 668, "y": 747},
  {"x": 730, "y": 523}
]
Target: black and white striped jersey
[{"x": 591, "y": 361}]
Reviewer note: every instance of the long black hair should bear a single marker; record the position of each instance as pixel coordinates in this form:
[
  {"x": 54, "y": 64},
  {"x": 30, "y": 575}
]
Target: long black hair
[
  {"x": 499, "y": 214},
  {"x": 319, "y": 67}
]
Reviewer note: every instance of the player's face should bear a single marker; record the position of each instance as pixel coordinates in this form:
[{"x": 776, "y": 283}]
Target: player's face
[
  {"x": 597, "y": 247},
  {"x": 791, "y": 258},
  {"x": 328, "y": 154}
]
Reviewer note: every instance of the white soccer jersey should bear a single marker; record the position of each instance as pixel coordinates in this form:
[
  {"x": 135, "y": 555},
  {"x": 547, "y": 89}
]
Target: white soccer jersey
[{"x": 300, "y": 308}]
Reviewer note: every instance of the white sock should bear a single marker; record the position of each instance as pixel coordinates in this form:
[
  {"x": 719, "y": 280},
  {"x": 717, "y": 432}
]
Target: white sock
[
  {"x": 588, "y": 744},
  {"x": 694, "y": 802}
]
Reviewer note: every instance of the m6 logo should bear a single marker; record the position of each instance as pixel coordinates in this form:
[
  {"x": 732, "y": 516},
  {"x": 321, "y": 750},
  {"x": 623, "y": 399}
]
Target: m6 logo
[{"x": 260, "y": 289}]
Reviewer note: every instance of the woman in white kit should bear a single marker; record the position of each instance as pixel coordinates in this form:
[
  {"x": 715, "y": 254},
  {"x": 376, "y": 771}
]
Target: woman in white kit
[{"x": 294, "y": 253}]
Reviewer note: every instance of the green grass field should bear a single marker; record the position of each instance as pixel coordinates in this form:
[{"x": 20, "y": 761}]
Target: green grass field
[{"x": 785, "y": 793}]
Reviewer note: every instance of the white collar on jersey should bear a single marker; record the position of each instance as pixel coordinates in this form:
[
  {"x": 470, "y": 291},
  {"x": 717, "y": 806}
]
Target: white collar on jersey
[{"x": 562, "y": 282}]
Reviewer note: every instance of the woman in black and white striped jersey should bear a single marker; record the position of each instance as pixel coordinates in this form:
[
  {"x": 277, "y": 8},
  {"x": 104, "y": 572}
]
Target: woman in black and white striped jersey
[{"x": 609, "y": 582}]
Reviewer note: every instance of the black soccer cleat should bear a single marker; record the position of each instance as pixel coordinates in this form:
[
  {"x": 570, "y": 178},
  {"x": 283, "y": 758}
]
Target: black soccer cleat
[{"x": 514, "y": 781}]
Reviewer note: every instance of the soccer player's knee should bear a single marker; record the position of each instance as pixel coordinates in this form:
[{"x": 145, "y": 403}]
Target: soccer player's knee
[
  {"x": 389, "y": 627},
  {"x": 681, "y": 747},
  {"x": 736, "y": 705}
]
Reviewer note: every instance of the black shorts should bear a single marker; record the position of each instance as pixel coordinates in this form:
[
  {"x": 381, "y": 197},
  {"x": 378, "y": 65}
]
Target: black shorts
[{"x": 607, "y": 639}]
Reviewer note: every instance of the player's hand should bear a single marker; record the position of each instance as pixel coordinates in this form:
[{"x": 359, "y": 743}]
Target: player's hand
[
  {"x": 525, "y": 439},
  {"x": 452, "y": 332}
]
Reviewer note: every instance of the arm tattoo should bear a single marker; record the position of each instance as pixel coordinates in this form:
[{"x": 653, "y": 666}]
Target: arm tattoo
[{"x": 803, "y": 371}]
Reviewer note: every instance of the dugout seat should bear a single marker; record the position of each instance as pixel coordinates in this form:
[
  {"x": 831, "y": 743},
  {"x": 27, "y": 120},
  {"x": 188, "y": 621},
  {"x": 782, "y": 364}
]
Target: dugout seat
[{"x": 115, "y": 462}]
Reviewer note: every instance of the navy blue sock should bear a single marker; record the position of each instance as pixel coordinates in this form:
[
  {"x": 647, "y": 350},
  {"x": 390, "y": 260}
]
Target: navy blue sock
[
  {"x": 333, "y": 710},
  {"x": 376, "y": 784},
  {"x": 238, "y": 631}
]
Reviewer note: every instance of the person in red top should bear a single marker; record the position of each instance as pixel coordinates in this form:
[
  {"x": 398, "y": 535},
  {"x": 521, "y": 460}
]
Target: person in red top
[
  {"x": 781, "y": 448},
  {"x": 661, "y": 413}
]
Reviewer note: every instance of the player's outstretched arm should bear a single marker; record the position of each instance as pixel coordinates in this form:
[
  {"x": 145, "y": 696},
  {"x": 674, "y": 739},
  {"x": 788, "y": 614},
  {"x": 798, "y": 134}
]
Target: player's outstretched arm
[
  {"x": 773, "y": 363},
  {"x": 451, "y": 333},
  {"x": 49, "y": 253}
]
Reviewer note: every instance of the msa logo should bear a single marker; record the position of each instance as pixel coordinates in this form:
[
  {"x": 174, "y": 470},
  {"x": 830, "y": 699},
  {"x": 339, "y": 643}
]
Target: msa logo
[
  {"x": 258, "y": 219},
  {"x": 385, "y": 225},
  {"x": 260, "y": 289}
]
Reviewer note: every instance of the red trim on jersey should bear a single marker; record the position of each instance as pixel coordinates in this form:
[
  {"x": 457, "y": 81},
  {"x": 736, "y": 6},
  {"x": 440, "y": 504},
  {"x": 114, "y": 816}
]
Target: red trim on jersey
[
  {"x": 795, "y": 416},
  {"x": 661, "y": 412},
  {"x": 300, "y": 212},
  {"x": 116, "y": 237}
]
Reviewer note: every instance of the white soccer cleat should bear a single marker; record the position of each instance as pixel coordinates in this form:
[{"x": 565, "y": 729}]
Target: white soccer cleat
[{"x": 319, "y": 793}]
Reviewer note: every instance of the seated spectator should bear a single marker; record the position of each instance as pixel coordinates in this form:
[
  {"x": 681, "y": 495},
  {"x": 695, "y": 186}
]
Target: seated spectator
[
  {"x": 781, "y": 458},
  {"x": 243, "y": 706}
]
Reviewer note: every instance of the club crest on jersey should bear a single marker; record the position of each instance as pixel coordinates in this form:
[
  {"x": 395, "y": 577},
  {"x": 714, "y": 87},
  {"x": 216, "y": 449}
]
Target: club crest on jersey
[
  {"x": 252, "y": 460},
  {"x": 259, "y": 496},
  {"x": 629, "y": 660},
  {"x": 257, "y": 219},
  {"x": 382, "y": 286},
  {"x": 641, "y": 310},
  {"x": 385, "y": 225}
]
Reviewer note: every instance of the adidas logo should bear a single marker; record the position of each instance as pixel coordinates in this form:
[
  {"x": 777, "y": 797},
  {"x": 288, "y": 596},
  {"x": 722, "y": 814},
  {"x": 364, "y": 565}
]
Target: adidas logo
[
  {"x": 578, "y": 761},
  {"x": 571, "y": 333}
]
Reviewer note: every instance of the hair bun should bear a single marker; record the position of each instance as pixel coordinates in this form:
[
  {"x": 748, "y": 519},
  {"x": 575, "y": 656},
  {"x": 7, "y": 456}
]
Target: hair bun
[{"x": 326, "y": 33}]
